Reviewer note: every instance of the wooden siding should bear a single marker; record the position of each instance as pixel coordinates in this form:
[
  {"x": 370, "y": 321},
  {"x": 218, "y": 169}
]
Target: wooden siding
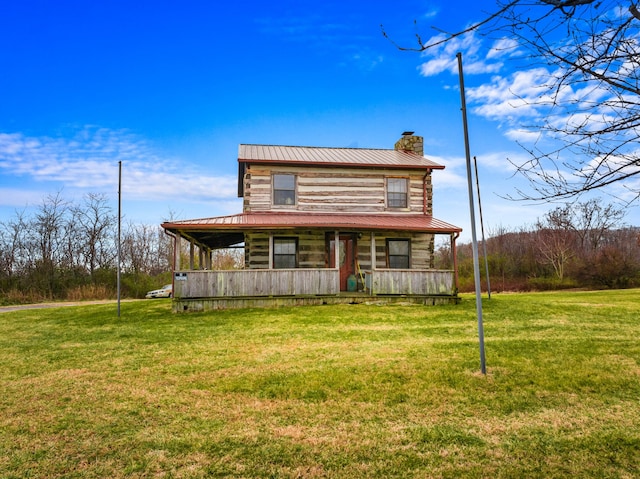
[
  {"x": 305, "y": 282},
  {"x": 410, "y": 282},
  {"x": 334, "y": 190},
  {"x": 256, "y": 282}
]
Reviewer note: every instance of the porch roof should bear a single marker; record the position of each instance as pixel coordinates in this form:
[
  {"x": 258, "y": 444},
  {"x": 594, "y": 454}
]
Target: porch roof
[{"x": 221, "y": 231}]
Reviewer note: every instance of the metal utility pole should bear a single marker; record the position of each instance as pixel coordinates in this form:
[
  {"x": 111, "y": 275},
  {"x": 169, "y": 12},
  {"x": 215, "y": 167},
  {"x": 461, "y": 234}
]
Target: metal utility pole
[
  {"x": 484, "y": 242},
  {"x": 476, "y": 262},
  {"x": 119, "y": 228}
]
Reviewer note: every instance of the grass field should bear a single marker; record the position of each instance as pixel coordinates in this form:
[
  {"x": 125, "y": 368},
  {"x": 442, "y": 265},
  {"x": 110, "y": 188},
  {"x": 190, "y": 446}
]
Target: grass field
[{"x": 350, "y": 391}]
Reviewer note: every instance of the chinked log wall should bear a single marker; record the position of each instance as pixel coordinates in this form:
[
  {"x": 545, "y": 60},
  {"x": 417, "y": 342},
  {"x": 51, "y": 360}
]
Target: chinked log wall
[{"x": 335, "y": 190}]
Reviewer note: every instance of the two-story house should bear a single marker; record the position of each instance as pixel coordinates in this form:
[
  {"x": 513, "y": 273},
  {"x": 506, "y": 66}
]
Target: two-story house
[{"x": 321, "y": 225}]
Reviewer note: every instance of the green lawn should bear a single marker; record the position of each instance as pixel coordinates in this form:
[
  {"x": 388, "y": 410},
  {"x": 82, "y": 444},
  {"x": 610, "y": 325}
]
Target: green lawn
[{"x": 349, "y": 391}]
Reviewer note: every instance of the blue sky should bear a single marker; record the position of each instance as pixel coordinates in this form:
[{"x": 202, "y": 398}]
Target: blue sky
[{"x": 171, "y": 90}]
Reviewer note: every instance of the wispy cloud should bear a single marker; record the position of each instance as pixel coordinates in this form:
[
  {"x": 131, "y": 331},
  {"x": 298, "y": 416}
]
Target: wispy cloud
[
  {"x": 432, "y": 11},
  {"x": 88, "y": 162},
  {"x": 442, "y": 58},
  {"x": 505, "y": 98}
]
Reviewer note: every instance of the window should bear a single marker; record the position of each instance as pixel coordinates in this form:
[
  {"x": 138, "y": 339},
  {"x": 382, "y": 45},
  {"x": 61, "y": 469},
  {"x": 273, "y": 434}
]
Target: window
[
  {"x": 398, "y": 253},
  {"x": 284, "y": 189},
  {"x": 285, "y": 252},
  {"x": 397, "y": 189}
]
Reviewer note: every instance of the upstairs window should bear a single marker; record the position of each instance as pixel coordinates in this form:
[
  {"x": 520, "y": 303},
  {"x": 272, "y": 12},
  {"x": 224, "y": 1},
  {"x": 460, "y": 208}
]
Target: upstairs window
[
  {"x": 285, "y": 252},
  {"x": 398, "y": 253},
  {"x": 284, "y": 189},
  {"x": 397, "y": 192}
]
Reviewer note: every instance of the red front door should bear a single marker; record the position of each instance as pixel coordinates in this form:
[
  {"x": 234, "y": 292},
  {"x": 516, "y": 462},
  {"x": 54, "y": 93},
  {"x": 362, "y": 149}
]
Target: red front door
[{"x": 346, "y": 258}]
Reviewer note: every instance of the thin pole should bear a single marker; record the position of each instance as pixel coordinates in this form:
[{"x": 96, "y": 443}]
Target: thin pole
[
  {"x": 476, "y": 262},
  {"x": 119, "y": 228},
  {"x": 484, "y": 242}
]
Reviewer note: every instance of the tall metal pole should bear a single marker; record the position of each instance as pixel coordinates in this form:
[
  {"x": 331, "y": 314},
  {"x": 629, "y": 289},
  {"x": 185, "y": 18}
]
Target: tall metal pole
[
  {"x": 484, "y": 242},
  {"x": 119, "y": 228},
  {"x": 476, "y": 262}
]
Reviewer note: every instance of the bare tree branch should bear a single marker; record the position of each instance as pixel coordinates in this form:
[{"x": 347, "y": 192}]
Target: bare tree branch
[{"x": 587, "y": 110}]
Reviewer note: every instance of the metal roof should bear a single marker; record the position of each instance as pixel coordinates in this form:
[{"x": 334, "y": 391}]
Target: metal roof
[
  {"x": 358, "y": 157},
  {"x": 261, "y": 220},
  {"x": 223, "y": 231}
]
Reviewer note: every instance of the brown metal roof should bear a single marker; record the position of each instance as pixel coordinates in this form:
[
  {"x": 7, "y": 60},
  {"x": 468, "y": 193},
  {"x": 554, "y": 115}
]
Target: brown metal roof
[
  {"x": 358, "y": 157},
  {"x": 246, "y": 221}
]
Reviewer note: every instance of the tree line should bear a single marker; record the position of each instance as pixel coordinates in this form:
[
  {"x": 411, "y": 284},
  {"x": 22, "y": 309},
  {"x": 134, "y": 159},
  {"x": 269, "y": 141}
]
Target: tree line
[
  {"x": 66, "y": 250},
  {"x": 578, "y": 245}
]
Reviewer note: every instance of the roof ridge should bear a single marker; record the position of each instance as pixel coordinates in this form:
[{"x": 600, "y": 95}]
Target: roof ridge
[{"x": 318, "y": 147}]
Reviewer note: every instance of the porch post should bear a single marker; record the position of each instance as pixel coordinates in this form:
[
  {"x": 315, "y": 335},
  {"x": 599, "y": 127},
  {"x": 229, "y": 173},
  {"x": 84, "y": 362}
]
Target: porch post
[
  {"x": 271, "y": 251},
  {"x": 454, "y": 236},
  {"x": 191, "y": 255},
  {"x": 201, "y": 264},
  {"x": 209, "y": 252},
  {"x": 177, "y": 247},
  {"x": 336, "y": 250},
  {"x": 373, "y": 262},
  {"x": 373, "y": 251}
]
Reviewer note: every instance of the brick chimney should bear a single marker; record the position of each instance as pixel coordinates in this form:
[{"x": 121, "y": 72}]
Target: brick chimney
[{"x": 410, "y": 142}]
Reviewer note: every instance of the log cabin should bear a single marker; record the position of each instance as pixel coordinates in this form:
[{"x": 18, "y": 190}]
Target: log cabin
[{"x": 321, "y": 225}]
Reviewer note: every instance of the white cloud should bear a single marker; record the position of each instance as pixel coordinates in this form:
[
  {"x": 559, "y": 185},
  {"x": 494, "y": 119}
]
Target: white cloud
[
  {"x": 522, "y": 135},
  {"x": 431, "y": 12},
  {"x": 442, "y": 58},
  {"x": 18, "y": 198},
  {"x": 88, "y": 162},
  {"x": 503, "y": 47},
  {"x": 505, "y": 97},
  {"x": 453, "y": 175}
]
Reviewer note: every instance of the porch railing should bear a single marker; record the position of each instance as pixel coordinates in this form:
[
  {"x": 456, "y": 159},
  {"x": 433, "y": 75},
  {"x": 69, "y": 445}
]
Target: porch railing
[
  {"x": 255, "y": 282},
  {"x": 410, "y": 282},
  {"x": 298, "y": 282}
]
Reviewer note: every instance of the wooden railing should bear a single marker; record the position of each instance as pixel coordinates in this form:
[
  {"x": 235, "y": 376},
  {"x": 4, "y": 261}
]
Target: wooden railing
[
  {"x": 255, "y": 282},
  {"x": 298, "y": 282},
  {"x": 410, "y": 282}
]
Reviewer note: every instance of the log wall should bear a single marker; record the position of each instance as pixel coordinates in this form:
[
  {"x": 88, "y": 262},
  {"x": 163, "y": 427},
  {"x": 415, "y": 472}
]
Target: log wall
[{"x": 335, "y": 189}]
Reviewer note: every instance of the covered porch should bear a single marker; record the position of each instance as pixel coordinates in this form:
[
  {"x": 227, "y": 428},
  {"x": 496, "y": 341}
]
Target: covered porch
[{"x": 337, "y": 260}]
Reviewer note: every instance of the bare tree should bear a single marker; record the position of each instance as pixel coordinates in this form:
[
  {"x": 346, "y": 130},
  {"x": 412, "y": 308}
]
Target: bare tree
[
  {"x": 592, "y": 221},
  {"x": 96, "y": 222},
  {"x": 13, "y": 244},
  {"x": 47, "y": 228},
  {"x": 588, "y": 98},
  {"x": 145, "y": 249},
  {"x": 556, "y": 241}
]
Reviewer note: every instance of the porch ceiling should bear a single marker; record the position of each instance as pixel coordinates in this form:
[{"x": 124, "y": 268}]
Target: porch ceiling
[{"x": 222, "y": 231}]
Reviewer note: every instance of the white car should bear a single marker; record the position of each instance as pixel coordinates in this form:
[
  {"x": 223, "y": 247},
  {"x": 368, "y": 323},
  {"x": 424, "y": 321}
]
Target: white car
[{"x": 164, "y": 292}]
